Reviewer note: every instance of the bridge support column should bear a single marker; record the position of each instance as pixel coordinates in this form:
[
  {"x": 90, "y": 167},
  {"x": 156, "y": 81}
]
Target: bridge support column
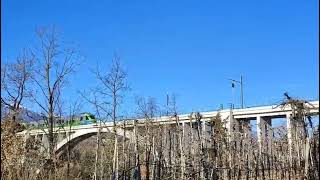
[
  {"x": 233, "y": 130},
  {"x": 61, "y": 136},
  {"x": 260, "y": 132},
  {"x": 69, "y": 135},
  {"x": 26, "y": 136},
  {"x": 264, "y": 132},
  {"x": 203, "y": 132},
  {"x": 166, "y": 143},
  {"x": 45, "y": 143},
  {"x": 186, "y": 136},
  {"x": 38, "y": 138},
  {"x": 189, "y": 137},
  {"x": 245, "y": 130},
  {"x": 289, "y": 130},
  {"x": 230, "y": 123},
  {"x": 269, "y": 134}
]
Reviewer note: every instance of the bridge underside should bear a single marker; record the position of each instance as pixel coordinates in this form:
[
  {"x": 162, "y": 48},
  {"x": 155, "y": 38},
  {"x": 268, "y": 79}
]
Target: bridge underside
[{"x": 71, "y": 144}]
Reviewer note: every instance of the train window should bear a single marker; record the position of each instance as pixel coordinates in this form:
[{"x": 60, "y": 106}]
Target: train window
[
  {"x": 87, "y": 118},
  {"x": 81, "y": 118},
  {"x": 92, "y": 116}
]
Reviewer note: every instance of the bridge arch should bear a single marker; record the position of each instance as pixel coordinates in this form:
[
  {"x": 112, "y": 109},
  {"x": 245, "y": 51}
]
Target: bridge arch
[{"x": 79, "y": 135}]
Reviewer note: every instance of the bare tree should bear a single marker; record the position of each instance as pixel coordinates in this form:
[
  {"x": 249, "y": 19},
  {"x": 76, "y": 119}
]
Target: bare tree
[
  {"x": 15, "y": 89},
  {"x": 147, "y": 110},
  {"x": 137, "y": 172},
  {"x": 15, "y": 78},
  {"x": 54, "y": 65},
  {"x": 113, "y": 85},
  {"x": 73, "y": 110},
  {"x": 100, "y": 110},
  {"x": 300, "y": 120}
]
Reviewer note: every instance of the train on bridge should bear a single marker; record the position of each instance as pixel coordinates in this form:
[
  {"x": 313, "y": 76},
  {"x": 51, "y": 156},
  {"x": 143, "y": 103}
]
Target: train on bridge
[{"x": 81, "y": 119}]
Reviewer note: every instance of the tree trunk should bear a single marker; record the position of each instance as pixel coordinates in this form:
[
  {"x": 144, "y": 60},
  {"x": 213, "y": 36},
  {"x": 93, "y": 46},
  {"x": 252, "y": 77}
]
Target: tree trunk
[
  {"x": 183, "y": 158},
  {"x": 306, "y": 167},
  {"x": 97, "y": 156},
  {"x": 137, "y": 173}
]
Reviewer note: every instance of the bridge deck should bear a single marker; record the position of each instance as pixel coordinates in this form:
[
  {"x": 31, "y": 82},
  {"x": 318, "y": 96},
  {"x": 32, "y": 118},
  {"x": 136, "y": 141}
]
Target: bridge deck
[{"x": 273, "y": 111}]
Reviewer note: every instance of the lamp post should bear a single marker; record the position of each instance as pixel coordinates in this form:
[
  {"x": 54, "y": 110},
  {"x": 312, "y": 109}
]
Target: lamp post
[{"x": 241, "y": 88}]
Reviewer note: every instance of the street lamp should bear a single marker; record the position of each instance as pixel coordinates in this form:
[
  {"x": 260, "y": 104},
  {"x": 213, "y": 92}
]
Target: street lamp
[{"x": 241, "y": 88}]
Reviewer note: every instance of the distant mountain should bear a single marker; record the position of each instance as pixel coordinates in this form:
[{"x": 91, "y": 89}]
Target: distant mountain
[
  {"x": 30, "y": 116},
  {"x": 24, "y": 115}
]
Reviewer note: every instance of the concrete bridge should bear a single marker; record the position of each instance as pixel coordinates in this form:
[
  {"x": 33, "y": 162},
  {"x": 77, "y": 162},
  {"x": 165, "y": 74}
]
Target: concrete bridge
[{"x": 234, "y": 119}]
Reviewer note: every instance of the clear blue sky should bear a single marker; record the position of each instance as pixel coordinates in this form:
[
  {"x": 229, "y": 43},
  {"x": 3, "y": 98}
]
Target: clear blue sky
[{"x": 189, "y": 48}]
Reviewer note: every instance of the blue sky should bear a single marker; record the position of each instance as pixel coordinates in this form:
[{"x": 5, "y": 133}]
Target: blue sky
[{"x": 190, "y": 48}]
